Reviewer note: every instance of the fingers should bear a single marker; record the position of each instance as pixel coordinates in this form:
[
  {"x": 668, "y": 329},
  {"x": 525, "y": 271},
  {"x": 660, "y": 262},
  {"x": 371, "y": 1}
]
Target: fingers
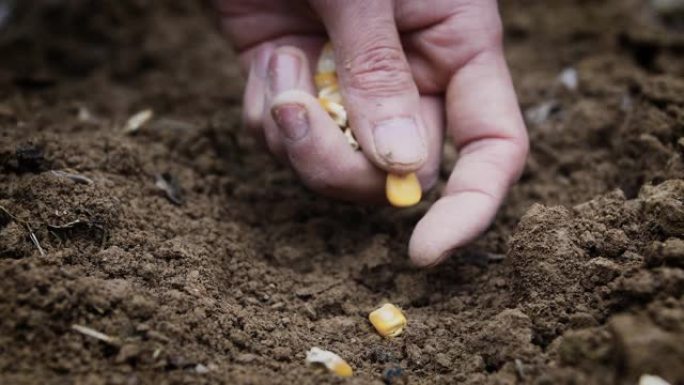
[
  {"x": 298, "y": 131},
  {"x": 432, "y": 111},
  {"x": 487, "y": 128},
  {"x": 320, "y": 153},
  {"x": 288, "y": 69},
  {"x": 381, "y": 97},
  {"x": 255, "y": 91}
]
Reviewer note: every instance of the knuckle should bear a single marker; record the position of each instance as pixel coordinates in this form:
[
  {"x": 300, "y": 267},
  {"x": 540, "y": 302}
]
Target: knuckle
[
  {"x": 473, "y": 29},
  {"x": 379, "y": 70},
  {"x": 482, "y": 19},
  {"x": 491, "y": 35}
]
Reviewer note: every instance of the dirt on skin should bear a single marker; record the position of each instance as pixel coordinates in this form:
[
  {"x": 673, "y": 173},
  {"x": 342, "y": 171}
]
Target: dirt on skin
[{"x": 580, "y": 280}]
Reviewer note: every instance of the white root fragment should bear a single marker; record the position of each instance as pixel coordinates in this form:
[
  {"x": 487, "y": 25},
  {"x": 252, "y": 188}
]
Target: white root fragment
[
  {"x": 93, "y": 333},
  {"x": 78, "y": 178},
  {"x": 135, "y": 122},
  {"x": 541, "y": 112}
]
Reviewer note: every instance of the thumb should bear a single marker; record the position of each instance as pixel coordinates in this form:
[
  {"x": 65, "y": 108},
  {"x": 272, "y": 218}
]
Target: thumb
[{"x": 376, "y": 82}]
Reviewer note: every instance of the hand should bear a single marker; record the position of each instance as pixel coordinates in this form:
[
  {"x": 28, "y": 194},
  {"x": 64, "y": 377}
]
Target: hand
[{"x": 407, "y": 69}]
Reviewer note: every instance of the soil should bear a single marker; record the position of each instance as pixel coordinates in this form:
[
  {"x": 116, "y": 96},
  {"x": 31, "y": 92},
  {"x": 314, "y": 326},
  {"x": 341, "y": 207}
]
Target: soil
[{"x": 235, "y": 271}]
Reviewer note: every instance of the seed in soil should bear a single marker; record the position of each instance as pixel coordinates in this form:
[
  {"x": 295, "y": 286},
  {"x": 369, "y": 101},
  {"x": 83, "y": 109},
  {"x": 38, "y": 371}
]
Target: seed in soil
[
  {"x": 330, "y": 360},
  {"x": 135, "y": 122},
  {"x": 388, "y": 320}
]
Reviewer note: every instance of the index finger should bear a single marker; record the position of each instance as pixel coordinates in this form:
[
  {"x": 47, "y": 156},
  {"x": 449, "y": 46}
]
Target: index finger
[{"x": 486, "y": 125}]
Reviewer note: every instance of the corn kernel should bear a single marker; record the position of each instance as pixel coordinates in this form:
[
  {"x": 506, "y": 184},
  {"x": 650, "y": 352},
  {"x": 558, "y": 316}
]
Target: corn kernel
[
  {"x": 330, "y": 360},
  {"x": 388, "y": 320},
  {"x": 326, "y": 60},
  {"x": 335, "y": 110},
  {"x": 331, "y": 93},
  {"x": 403, "y": 190},
  {"x": 325, "y": 79},
  {"x": 351, "y": 139}
]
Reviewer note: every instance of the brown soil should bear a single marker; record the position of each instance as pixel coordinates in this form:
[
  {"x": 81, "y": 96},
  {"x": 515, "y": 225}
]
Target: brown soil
[{"x": 579, "y": 281}]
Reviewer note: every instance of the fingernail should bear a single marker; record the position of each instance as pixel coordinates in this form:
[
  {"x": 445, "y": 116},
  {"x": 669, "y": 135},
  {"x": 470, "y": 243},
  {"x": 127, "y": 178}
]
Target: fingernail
[
  {"x": 261, "y": 61},
  {"x": 292, "y": 120},
  {"x": 427, "y": 264},
  {"x": 398, "y": 141},
  {"x": 283, "y": 72}
]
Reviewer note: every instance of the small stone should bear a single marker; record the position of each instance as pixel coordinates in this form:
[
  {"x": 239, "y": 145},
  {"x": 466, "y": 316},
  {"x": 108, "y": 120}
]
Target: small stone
[{"x": 394, "y": 376}]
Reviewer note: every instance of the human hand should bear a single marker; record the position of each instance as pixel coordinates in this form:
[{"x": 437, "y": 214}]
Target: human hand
[{"x": 407, "y": 69}]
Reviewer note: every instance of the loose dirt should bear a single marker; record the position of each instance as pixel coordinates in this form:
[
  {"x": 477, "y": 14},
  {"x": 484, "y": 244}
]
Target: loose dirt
[{"x": 579, "y": 281}]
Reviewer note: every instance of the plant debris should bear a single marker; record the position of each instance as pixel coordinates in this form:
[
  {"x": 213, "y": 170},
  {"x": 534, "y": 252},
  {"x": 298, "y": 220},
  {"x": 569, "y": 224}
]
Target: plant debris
[
  {"x": 78, "y": 178},
  {"x": 137, "y": 120},
  {"x": 541, "y": 112},
  {"x": 95, "y": 334},
  {"x": 519, "y": 369},
  {"x": 69, "y": 229},
  {"x": 31, "y": 234},
  {"x": 171, "y": 188}
]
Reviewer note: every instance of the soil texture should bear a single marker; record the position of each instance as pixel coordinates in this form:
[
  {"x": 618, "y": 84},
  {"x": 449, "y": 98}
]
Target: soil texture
[{"x": 202, "y": 261}]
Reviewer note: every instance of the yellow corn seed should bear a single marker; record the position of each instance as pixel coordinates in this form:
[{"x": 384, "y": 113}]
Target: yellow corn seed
[
  {"x": 325, "y": 79},
  {"x": 326, "y": 60},
  {"x": 335, "y": 110},
  {"x": 331, "y": 93},
  {"x": 351, "y": 139},
  {"x": 330, "y": 360},
  {"x": 388, "y": 320},
  {"x": 342, "y": 369},
  {"x": 403, "y": 190}
]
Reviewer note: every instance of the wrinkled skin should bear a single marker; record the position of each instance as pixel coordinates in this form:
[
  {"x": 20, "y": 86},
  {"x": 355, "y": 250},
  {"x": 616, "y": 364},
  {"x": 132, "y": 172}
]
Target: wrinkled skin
[{"x": 409, "y": 71}]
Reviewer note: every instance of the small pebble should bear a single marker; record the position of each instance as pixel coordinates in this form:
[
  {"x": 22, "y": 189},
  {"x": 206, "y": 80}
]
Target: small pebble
[{"x": 394, "y": 376}]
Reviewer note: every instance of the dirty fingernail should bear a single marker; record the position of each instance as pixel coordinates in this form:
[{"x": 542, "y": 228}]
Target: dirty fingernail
[
  {"x": 261, "y": 61},
  {"x": 398, "y": 141},
  {"x": 292, "y": 120},
  {"x": 284, "y": 71}
]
